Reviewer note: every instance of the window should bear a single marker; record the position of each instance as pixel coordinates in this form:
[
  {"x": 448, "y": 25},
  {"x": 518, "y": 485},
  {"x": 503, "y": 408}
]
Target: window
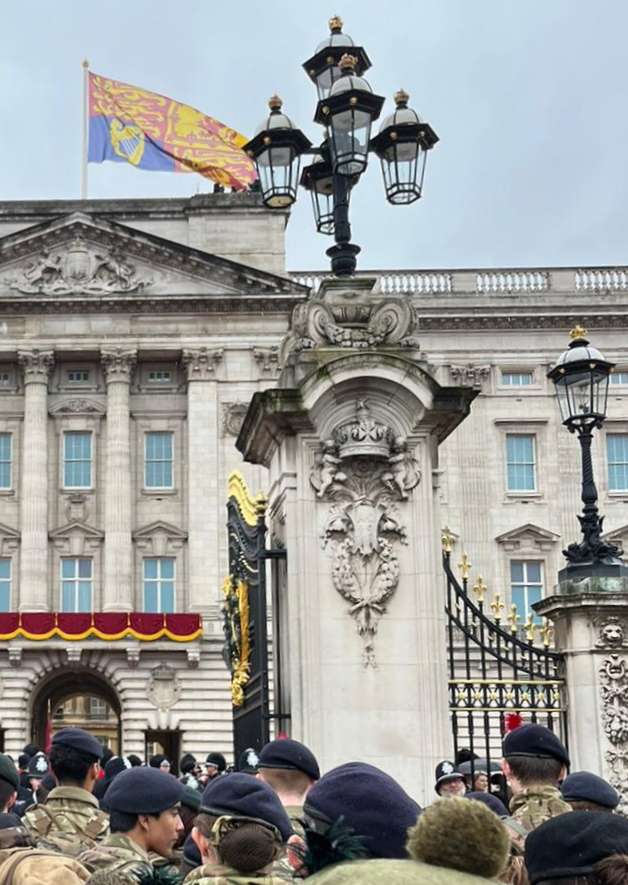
[
  {"x": 158, "y": 460},
  {"x": 5, "y": 585},
  {"x": 76, "y": 584},
  {"x": 75, "y": 377},
  {"x": 526, "y": 586},
  {"x": 5, "y": 460},
  {"x": 619, "y": 377},
  {"x": 5, "y": 379},
  {"x": 98, "y": 709},
  {"x": 159, "y": 377},
  {"x": 520, "y": 462},
  {"x": 617, "y": 455},
  {"x": 159, "y": 585},
  {"x": 517, "y": 379},
  {"x": 77, "y": 460}
]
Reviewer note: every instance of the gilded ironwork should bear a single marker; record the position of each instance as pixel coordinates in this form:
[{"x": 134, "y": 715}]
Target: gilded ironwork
[
  {"x": 236, "y": 650},
  {"x": 480, "y": 588},
  {"x": 447, "y": 539},
  {"x": 497, "y": 607},
  {"x": 249, "y": 506},
  {"x": 513, "y": 619},
  {"x": 530, "y": 628},
  {"x": 465, "y": 567},
  {"x": 546, "y": 633}
]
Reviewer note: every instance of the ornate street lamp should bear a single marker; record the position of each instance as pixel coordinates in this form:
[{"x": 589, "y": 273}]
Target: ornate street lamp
[
  {"x": 347, "y": 109},
  {"x": 581, "y": 377}
]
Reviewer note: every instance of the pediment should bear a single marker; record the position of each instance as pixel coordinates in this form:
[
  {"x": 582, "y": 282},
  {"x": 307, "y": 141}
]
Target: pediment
[
  {"x": 618, "y": 534},
  {"x": 528, "y": 536},
  {"x": 76, "y": 528},
  {"x": 78, "y": 256},
  {"x": 159, "y": 527},
  {"x": 7, "y": 532}
]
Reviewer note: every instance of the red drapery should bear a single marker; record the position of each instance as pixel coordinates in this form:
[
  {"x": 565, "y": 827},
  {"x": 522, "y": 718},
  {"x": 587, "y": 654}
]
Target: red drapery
[{"x": 108, "y": 625}]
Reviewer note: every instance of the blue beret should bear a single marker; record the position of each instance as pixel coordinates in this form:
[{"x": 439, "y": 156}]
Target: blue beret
[
  {"x": 496, "y": 805},
  {"x": 8, "y": 772},
  {"x": 38, "y": 765},
  {"x": 569, "y": 845},
  {"x": 78, "y": 739},
  {"x": 371, "y": 801},
  {"x": 588, "y": 787},
  {"x": 535, "y": 741},
  {"x": 289, "y": 755},
  {"x": 143, "y": 791},
  {"x": 241, "y": 795}
]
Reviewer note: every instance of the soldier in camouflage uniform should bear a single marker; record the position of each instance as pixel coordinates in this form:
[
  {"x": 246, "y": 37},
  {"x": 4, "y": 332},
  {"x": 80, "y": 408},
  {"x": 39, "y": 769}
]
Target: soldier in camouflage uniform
[
  {"x": 241, "y": 831},
  {"x": 144, "y": 805}
]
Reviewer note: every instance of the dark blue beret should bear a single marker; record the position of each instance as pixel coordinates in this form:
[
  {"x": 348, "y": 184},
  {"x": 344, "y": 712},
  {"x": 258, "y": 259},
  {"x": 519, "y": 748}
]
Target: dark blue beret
[
  {"x": 496, "y": 805},
  {"x": 143, "y": 791},
  {"x": 38, "y": 765},
  {"x": 115, "y": 766},
  {"x": 569, "y": 845},
  {"x": 241, "y": 795},
  {"x": 588, "y": 787},
  {"x": 535, "y": 741},
  {"x": 289, "y": 755},
  {"x": 78, "y": 739},
  {"x": 371, "y": 802},
  {"x": 8, "y": 772}
]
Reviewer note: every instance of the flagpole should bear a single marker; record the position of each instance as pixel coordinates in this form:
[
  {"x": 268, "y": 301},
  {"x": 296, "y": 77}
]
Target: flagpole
[{"x": 85, "y": 128}]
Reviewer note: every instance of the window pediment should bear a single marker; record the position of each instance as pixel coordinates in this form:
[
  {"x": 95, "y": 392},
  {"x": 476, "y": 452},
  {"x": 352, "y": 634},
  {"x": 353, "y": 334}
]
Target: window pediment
[
  {"x": 9, "y": 540},
  {"x": 77, "y": 539},
  {"x": 528, "y": 537},
  {"x": 159, "y": 539}
]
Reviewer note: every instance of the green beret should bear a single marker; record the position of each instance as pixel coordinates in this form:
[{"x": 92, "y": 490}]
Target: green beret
[{"x": 8, "y": 771}]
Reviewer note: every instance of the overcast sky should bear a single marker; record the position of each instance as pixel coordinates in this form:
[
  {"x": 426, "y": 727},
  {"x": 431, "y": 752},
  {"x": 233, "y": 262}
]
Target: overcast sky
[{"x": 527, "y": 96}]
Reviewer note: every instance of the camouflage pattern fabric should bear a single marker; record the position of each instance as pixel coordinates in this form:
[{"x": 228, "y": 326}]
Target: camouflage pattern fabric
[
  {"x": 117, "y": 852},
  {"x": 532, "y": 807},
  {"x": 30, "y": 866},
  {"x": 217, "y": 874},
  {"x": 70, "y": 822}
]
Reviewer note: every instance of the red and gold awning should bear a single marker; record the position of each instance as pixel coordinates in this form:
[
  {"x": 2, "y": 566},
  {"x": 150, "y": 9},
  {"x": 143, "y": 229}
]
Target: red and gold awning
[{"x": 107, "y": 625}]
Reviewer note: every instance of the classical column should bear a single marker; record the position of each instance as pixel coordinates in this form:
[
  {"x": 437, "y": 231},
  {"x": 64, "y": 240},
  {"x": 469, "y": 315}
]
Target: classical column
[
  {"x": 204, "y": 526},
  {"x": 36, "y": 367},
  {"x": 118, "y": 591}
]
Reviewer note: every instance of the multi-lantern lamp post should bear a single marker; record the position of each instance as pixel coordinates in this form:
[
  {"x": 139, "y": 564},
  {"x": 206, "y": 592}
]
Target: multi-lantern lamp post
[{"x": 347, "y": 108}]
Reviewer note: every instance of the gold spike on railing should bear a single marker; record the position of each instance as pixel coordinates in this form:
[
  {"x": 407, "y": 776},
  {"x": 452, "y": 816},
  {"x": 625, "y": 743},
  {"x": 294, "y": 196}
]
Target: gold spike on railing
[
  {"x": 529, "y": 628},
  {"x": 513, "y": 619},
  {"x": 547, "y": 633},
  {"x": 497, "y": 607},
  {"x": 480, "y": 588},
  {"x": 465, "y": 567},
  {"x": 447, "y": 539}
]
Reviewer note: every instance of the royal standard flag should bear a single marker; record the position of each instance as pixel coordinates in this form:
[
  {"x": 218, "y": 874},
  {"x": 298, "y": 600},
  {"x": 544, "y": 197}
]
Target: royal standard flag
[{"x": 150, "y": 131}]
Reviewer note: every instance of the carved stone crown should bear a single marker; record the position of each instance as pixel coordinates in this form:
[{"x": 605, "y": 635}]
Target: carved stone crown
[{"x": 363, "y": 437}]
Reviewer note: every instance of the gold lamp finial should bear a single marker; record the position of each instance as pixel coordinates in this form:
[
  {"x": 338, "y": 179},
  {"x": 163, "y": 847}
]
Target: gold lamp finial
[
  {"x": 401, "y": 98},
  {"x": 578, "y": 333},
  {"x": 347, "y": 62},
  {"x": 85, "y": 63},
  {"x": 335, "y": 24},
  {"x": 275, "y": 103}
]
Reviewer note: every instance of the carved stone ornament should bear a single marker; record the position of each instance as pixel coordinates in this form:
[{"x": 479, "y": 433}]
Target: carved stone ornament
[
  {"x": 118, "y": 363},
  {"x": 77, "y": 406},
  {"x": 164, "y": 687},
  {"x": 15, "y": 656},
  {"x": 267, "y": 358},
  {"x": 36, "y": 365},
  {"x": 77, "y": 509},
  {"x": 77, "y": 268},
  {"x": 353, "y": 323},
  {"x": 365, "y": 469},
  {"x": 473, "y": 375},
  {"x": 233, "y": 417},
  {"x": 614, "y": 693},
  {"x": 611, "y": 634},
  {"x": 201, "y": 362}
]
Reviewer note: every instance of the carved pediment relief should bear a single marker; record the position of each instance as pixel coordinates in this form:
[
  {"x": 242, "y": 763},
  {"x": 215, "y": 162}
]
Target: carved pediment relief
[
  {"x": 78, "y": 406},
  {"x": 159, "y": 538},
  {"x": 9, "y": 540},
  {"x": 76, "y": 539},
  {"x": 528, "y": 537}
]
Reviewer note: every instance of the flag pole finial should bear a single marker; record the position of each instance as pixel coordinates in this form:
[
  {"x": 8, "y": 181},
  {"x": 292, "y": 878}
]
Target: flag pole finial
[{"x": 85, "y": 63}]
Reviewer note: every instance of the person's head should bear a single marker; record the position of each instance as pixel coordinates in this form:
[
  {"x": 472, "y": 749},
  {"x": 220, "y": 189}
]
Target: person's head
[
  {"x": 22, "y": 761},
  {"x": 75, "y": 758},
  {"x": 290, "y": 768},
  {"x": 9, "y": 783},
  {"x": 134, "y": 760},
  {"x": 241, "y": 823},
  {"x": 480, "y": 782},
  {"x": 164, "y": 765},
  {"x": 355, "y": 810},
  {"x": 187, "y": 763},
  {"x": 38, "y": 768},
  {"x": 190, "y": 804},
  {"x": 568, "y": 848},
  {"x": 106, "y": 755},
  {"x": 585, "y": 791},
  {"x": 247, "y": 763},
  {"x": 449, "y": 781},
  {"x": 115, "y": 766},
  {"x": 144, "y": 804},
  {"x": 481, "y": 845},
  {"x": 533, "y": 757},
  {"x": 215, "y": 764},
  {"x": 493, "y": 802},
  {"x": 31, "y": 750},
  {"x": 156, "y": 760}
]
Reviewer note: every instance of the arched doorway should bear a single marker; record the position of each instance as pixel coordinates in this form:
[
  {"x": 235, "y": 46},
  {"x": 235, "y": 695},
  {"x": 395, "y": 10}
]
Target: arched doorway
[{"x": 80, "y": 698}]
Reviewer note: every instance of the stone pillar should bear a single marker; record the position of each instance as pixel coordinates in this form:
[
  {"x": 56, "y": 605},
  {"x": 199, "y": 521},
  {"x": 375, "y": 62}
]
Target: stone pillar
[
  {"x": 203, "y": 534},
  {"x": 36, "y": 367},
  {"x": 118, "y": 591}
]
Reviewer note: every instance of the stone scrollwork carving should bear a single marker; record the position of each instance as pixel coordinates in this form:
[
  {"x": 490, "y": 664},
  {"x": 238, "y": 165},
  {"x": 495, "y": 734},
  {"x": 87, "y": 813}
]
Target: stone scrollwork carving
[
  {"x": 614, "y": 693},
  {"x": 118, "y": 363},
  {"x": 164, "y": 687},
  {"x": 473, "y": 375},
  {"x": 233, "y": 417},
  {"x": 365, "y": 469},
  {"x": 78, "y": 268},
  {"x": 611, "y": 634}
]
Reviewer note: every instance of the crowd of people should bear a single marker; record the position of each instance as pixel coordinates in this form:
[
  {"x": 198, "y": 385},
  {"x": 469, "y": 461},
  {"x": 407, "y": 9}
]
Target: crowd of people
[{"x": 76, "y": 816}]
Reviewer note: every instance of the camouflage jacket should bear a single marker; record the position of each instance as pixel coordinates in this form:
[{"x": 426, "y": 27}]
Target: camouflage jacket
[
  {"x": 117, "y": 852},
  {"x": 529, "y": 809},
  {"x": 71, "y": 821},
  {"x": 216, "y": 874}
]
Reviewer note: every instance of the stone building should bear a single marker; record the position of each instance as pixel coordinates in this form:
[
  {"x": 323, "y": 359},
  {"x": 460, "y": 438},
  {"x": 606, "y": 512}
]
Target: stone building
[{"x": 133, "y": 334}]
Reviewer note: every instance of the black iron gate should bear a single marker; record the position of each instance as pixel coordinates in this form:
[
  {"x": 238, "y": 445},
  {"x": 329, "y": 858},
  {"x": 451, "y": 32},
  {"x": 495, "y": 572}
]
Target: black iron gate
[
  {"x": 245, "y": 617},
  {"x": 496, "y": 668}
]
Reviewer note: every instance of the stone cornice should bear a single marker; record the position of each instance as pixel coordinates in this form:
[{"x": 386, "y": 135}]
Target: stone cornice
[
  {"x": 118, "y": 363},
  {"x": 537, "y": 321},
  {"x": 36, "y": 365}
]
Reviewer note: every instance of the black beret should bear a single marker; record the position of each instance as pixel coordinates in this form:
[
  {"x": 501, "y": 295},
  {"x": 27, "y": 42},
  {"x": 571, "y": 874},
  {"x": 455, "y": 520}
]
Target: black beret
[
  {"x": 143, "y": 791},
  {"x": 187, "y": 763},
  {"x": 78, "y": 739},
  {"x": 38, "y": 765},
  {"x": 115, "y": 766},
  {"x": 447, "y": 771},
  {"x": 535, "y": 741},
  {"x": 570, "y": 844},
  {"x": 289, "y": 755},
  {"x": 8, "y": 772},
  {"x": 588, "y": 787},
  {"x": 496, "y": 805},
  {"x": 371, "y": 802},
  {"x": 243, "y": 796},
  {"x": 217, "y": 760}
]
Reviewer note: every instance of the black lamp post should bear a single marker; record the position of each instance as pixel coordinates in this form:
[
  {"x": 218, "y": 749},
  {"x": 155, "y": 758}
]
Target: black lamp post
[
  {"x": 581, "y": 377},
  {"x": 347, "y": 109}
]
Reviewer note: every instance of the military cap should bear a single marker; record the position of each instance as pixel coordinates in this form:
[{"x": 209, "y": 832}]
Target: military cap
[
  {"x": 187, "y": 763},
  {"x": 38, "y": 765},
  {"x": 493, "y": 802},
  {"x": 78, "y": 739},
  {"x": 143, "y": 791},
  {"x": 447, "y": 771},
  {"x": 239, "y": 795},
  {"x": 371, "y": 802},
  {"x": 535, "y": 741},
  {"x": 217, "y": 760},
  {"x": 289, "y": 755},
  {"x": 569, "y": 845},
  {"x": 8, "y": 772},
  {"x": 584, "y": 786},
  {"x": 247, "y": 763},
  {"x": 115, "y": 766}
]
